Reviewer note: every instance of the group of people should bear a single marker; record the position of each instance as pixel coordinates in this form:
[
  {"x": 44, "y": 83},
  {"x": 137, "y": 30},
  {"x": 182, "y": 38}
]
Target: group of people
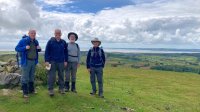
[{"x": 62, "y": 58}]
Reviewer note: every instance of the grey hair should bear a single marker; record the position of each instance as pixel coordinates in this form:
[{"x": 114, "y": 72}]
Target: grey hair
[
  {"x": 30, "y": 30},
  {"x": 58, "y": 30}
]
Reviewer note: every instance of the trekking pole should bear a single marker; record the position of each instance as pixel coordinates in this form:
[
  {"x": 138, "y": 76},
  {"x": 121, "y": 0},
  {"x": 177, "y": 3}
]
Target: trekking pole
[{"x": 17, "y": 56}]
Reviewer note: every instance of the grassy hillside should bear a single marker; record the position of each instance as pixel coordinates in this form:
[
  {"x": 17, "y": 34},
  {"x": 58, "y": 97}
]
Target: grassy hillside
[{"x": 141, "y": 90}]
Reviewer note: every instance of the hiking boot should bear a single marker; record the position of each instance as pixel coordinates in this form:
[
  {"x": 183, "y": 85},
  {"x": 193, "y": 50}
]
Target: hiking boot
[
  {"x": 25, "y": 89},
  {"x": 74, "y": 91},
  {"x": 67, "y": 86},
  {"x": 62, "y": 91},
  {"x": 92, "y": 93},
  {"x": 66, "y": 90},
  {"x": 31, "y": 88},
  {"x": 25, "y": 96},
  {"x": 51, "y": 93},
  {"x": 73, "y": 88},
  {"x": 35, "y": 92},
  {"x": 101, "y": 96}
]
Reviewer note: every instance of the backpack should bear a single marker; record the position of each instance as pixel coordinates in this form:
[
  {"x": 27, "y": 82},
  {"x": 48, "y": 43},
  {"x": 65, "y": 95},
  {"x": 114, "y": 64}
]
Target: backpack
[
  {"x": 99, "y": 52},
  {"x": 18, "y": 54}
]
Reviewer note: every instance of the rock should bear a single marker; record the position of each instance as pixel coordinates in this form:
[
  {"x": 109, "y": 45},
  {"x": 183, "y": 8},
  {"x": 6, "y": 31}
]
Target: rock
[
  {"x": 10, "y": 66},
  {"x": 9, "y": 73},
  {"x": 13, "y": 63},
  {"x": 1, "y": 69},
  {"x": 5, "y": 92},
  {"x": 3, "y": 63},
  {"x": 9, "y": 78},
  {"x": 11, "y": 69},
  {"x": 11, "y": 60}
]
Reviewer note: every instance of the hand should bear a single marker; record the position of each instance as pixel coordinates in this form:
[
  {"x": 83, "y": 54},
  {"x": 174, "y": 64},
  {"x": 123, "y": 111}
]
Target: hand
[
  {"x": 65, "y": 64},
  {"x": 46, "y": 63},
  {"x": 27, "y": 47},
  {"x": 89, "y": 70},
  {"x": 38, "y": 47}
]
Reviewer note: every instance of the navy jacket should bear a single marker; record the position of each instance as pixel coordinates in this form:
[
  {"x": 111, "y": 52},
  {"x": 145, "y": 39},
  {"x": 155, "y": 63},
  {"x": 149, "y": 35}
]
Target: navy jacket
[
  {"x": 56, "y": 51},
  {"x": 97, "y": 60},
  {"x": 21, "y": 47}
]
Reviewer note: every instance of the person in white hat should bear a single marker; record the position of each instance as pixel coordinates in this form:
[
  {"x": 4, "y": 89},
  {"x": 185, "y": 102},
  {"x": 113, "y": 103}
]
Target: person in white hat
[{"x": 95, "y": 64}]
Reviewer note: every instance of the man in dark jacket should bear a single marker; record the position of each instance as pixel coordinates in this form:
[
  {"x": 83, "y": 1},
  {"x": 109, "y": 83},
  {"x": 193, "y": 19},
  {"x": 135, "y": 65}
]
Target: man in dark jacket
[
  {"x": 95, "y": 64},
  {"x": 56, "y": 58},
  {"x": 28, "y": 48}
]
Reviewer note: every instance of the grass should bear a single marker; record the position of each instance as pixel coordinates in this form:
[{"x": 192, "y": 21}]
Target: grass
[{"x": 141, "y": 90}]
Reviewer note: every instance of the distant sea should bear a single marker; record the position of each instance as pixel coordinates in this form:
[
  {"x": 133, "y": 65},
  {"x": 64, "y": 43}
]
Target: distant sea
[
  {"x": 139, "y": 50},
  {"x": 121, "y": 48},
  {"x": 152, "y": 50}
]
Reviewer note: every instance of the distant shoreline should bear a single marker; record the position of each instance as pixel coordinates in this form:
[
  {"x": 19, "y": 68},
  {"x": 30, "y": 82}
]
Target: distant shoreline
[{"x": 140, "y": 50}]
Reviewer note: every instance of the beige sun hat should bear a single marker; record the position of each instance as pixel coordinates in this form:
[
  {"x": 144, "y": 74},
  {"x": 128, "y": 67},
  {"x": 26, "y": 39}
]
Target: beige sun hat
[{"x": 96, "y": 40}]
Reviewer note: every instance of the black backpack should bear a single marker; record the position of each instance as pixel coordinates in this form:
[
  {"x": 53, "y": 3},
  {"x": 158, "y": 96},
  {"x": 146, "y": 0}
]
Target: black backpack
[
  {"x": 99, "y": 52},
  {"x": 18, "y": 54}
]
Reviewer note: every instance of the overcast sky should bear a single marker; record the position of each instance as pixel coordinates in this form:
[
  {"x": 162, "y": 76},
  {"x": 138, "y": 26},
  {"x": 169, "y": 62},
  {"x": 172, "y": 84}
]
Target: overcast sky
[{"x": 118, "y": 23}]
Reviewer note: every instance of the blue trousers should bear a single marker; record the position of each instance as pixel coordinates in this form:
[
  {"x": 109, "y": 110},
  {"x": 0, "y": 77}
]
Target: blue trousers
[
  {"x": 27, "y": 79},
  {"x": 28, "y": 72},
  {"x": 96, "y": 73}
]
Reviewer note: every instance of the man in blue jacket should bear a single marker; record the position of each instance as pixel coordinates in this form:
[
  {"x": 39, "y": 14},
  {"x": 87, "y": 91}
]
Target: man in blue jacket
[
  {"x": 95, "y": 64},
  {"x": 56, "y": 58},
  {"x": 28, "y": 48}
]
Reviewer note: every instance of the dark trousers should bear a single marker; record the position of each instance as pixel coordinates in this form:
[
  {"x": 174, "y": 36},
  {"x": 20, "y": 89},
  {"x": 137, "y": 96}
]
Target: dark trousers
[
  {"x": 71, "y": 72},
  {"x": 56, "y": 67}
]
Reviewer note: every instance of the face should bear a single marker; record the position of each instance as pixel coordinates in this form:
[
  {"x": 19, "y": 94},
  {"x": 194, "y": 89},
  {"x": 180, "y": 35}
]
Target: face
[
  {"x": 32, "y": 34},
  {"x": 72, "y": 38},
  {"x": 95, "y": 43},
  {"x": 58, "y": 34}
]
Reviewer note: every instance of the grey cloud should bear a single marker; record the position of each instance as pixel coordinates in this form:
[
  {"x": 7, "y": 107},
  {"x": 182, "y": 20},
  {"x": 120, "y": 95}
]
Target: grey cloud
[{"x": 156, "y": 23}]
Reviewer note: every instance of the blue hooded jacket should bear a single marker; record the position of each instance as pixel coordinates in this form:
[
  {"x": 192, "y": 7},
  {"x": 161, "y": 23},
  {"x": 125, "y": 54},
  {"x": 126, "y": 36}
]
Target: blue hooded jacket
[{"x": 21, "y": 47}]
